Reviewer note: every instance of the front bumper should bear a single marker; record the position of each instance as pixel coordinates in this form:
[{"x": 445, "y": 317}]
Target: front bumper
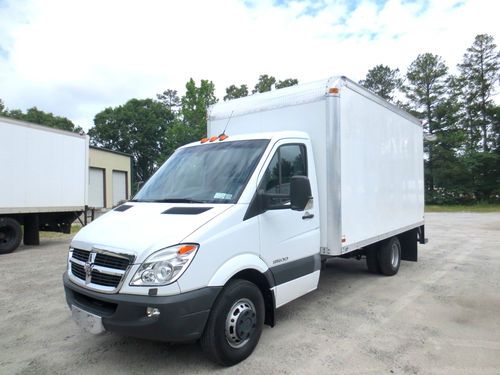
[{"x": 182, "y": 317}]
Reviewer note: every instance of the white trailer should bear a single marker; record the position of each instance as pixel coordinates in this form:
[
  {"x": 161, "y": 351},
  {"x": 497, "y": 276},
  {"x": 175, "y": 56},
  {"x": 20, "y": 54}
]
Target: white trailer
[
  {"x": 43, "y": 181},
  {"x": 234, "y": 226}
]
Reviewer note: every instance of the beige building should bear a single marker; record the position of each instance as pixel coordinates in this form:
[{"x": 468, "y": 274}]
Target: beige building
[{"x": 109, "y": 177}]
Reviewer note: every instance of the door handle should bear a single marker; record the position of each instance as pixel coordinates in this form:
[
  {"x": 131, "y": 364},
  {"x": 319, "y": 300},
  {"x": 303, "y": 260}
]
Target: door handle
[{"x": 307, "y": 216}]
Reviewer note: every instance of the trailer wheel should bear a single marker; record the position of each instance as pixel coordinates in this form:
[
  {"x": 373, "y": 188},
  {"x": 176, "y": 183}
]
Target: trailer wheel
[
  {"x": 235, "y": 323},
  {"x": 389, "y": 256},
  {"x": 10, "y": 235},
  {"x": 372, "y": 259}
]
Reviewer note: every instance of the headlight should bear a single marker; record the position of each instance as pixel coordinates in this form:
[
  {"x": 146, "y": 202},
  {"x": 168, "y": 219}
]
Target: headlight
[{"x": 165, "y": 266}]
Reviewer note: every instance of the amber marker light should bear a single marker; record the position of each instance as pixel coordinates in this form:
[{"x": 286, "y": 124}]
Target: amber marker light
[
  {"x": 214, "y": 138},
  {"x": 186, "y": 249},
  {"x": 222, "y": 137},
  {"x": 203, "y": 140},
  {"x": 333, "y": 90}
]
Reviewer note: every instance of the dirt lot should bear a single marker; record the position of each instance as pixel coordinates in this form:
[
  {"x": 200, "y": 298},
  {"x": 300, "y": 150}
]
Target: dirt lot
[{"x": 440, "y": 315}]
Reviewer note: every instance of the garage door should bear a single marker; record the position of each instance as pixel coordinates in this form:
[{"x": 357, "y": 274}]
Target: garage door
[
  {"x": 119, "y": 186},
  {"x": 96, "y": 187}
]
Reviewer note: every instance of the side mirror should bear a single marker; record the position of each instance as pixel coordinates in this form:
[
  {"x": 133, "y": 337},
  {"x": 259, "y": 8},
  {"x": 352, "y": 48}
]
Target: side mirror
[{"x": 300, "y": 192}]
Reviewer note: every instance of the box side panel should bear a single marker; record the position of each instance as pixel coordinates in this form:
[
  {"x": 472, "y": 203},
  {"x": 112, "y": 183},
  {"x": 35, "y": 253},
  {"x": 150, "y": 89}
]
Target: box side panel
[
  {"x": 381, "y": 170},
  {"x": 41, "y": 168},
  {"x": 307, "y": 117}
]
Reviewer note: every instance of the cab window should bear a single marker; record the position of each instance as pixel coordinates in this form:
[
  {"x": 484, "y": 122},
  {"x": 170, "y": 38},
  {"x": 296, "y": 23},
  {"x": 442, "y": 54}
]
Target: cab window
[{"x": 288, "y": 161}]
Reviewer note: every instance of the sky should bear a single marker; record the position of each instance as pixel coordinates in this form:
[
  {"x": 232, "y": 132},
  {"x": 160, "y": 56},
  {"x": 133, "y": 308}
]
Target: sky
[{"x": 75, "y": 58}]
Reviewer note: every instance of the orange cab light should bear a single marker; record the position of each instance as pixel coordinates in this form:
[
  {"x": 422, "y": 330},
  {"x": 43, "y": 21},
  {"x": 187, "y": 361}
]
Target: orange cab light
[
  {"x": 222, "y": 137},
  {"x": 333, "y": 90},
  {"x": 214, "y": 138},
  {"x": 203, "y": 140},
  {"x": 186, "y": 249}
]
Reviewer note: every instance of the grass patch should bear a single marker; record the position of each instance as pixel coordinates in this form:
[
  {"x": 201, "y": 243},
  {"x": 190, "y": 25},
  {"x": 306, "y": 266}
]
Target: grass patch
[
  {"x": 464, "y": 208},
  {"x": 74, "y": 229}
]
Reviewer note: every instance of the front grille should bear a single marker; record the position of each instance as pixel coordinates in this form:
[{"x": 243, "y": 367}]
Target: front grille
[
  {"x": 111, "y": 262},
  {"x": 78, "y": 271},
  {"x": 106, "y": 270},
  {"x": 82, "y": 255}
]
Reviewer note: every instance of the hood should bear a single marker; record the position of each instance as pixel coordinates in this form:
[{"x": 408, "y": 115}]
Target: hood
[{"x": 139, "y": 228}]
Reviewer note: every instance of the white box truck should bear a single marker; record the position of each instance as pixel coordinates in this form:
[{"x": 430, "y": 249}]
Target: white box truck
[
  {"x": 43, "y": 181},
  {"x": 236, "y": 225}
]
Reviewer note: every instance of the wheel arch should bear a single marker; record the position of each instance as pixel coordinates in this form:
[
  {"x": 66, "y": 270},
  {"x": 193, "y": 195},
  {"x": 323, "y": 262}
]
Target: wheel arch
[
  {"x": 265, "y": 282},
  {"x": 253, "y": 269}
]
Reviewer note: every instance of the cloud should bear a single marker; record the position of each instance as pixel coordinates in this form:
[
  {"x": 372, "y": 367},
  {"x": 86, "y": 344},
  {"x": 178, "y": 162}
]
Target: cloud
[{"x": 75, "y": 58}]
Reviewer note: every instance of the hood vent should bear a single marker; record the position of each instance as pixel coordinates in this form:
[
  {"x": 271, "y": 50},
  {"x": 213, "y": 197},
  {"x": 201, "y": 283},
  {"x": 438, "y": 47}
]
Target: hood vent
[
  {"x": 123, "y": 207},
  {"x": 186, "y": 210}
]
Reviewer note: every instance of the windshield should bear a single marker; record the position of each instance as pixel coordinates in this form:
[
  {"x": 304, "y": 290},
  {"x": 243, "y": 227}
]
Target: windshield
[{"x": 208, "y": 173}]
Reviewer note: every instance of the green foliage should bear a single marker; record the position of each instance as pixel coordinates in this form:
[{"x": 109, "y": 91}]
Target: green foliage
[
  {"x": 138, "y": 128},
  {"x": 287, "y": 83},
  {"x": 36, "y": 116},
  {"x": 383, "y": 81},
  {"x": 234, "y": 92},
  {"x": 194, "y": 107},
  {"x": 480, "y": 74},
  {"x": 264, "y": 83},
  {"x": 427, "y": 90},
  {"x": 170, "y": 99},
  {"x": 476, "y": 207}
]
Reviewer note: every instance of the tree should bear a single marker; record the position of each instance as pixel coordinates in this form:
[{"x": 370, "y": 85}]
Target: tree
[
  {"x": 480, "y": 73},
  {"x": 170, "y": 99},
  {"x": 36, "y": 116},
  {"x": 287, "y": 83},
  {"x": 194, "y": 107},
  {"x": 234, "y": 92},
  {"x": 264, "y": 84},
  {"x": 427, "y": 91},
  {"x": 138, "y": 128},
  {"x": 383, "y": 81}
]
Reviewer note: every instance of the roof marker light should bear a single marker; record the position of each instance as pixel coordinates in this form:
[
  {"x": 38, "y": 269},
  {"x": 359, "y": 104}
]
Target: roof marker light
[
  {"x": 333, "y": 90},
  {"x": 223, "y": 136},
  {"x": 214, "y": 138},
  {"x": 203, "y": 140}
]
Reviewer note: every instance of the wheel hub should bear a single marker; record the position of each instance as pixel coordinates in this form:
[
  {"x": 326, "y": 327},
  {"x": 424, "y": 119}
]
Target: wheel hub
[
  {"x": 240, "y": 323},
  {"x": 395, "y": 255}
]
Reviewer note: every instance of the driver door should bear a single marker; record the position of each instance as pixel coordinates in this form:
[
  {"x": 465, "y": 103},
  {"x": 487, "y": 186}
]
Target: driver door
[{"x": 289, "y": 240}]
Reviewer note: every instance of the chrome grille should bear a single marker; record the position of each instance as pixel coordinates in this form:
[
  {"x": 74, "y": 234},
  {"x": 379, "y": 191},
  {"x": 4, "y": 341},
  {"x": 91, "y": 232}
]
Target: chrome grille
[{"x": 99, "y": 269}]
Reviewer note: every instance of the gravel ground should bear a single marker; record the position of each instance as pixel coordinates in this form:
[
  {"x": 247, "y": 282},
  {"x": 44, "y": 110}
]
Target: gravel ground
[{"x": 438, "y": 316}]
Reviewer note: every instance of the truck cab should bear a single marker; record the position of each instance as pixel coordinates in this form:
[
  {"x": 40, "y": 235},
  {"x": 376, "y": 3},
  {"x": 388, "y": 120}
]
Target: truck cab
[{"x": 226, "y": 231}]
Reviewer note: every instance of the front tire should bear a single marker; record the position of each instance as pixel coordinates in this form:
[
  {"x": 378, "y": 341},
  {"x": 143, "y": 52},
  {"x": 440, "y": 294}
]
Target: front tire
[{"x": 235, "y": 323}]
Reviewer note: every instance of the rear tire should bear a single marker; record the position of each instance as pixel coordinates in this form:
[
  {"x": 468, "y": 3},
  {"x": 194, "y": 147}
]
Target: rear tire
[
  {"x": 10, "y": 235},
  {"x": 389, "y": 256},
  {"x": 235, "y": 323}
]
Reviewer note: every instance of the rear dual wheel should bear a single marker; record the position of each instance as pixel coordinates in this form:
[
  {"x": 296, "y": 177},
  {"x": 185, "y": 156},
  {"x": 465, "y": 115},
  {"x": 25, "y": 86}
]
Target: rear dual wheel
[{"x": 384, "y": 258}]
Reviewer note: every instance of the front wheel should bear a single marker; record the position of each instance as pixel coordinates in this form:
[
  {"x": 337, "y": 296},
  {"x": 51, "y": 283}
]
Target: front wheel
[{"x": 235, "y": 323}]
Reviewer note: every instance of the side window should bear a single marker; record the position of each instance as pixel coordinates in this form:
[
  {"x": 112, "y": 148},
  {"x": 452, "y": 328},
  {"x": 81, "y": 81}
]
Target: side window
[{"x": 289, "y": 160}]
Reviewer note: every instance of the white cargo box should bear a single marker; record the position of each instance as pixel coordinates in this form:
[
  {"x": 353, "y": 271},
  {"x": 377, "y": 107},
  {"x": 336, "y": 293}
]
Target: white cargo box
[
  {"x": 42, "y": 169},
  {"x": 368, "y": 154}
]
